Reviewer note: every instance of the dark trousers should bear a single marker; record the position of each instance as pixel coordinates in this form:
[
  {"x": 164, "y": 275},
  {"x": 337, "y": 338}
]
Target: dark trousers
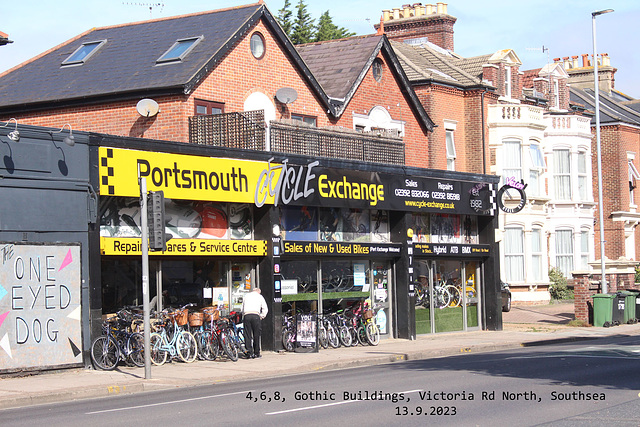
[{"x": 252, "y": 332}]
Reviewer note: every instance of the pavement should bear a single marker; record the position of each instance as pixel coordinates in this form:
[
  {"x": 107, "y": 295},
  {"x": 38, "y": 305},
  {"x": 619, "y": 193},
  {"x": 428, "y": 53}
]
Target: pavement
[{"x": 523, "y": 326}]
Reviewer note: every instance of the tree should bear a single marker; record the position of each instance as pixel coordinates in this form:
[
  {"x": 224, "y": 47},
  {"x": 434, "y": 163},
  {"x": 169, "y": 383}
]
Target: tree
[
  {"x": 327, "y": 30},
  {"x": 303, "y": 28},
  {"x": 284, "y": 18}
]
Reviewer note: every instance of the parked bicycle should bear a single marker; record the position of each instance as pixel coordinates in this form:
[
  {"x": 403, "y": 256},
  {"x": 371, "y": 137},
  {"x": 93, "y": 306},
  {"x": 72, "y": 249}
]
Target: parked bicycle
[
  {"x": 173, "y": 340},
  {"x": 117, "y": 343},
  {"x": 288, "y": 331}
]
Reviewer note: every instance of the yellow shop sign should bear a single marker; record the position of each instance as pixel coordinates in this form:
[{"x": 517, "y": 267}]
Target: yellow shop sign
[
  {"x": 183, "y": 176},
  {"x": 186, "y": 247}
]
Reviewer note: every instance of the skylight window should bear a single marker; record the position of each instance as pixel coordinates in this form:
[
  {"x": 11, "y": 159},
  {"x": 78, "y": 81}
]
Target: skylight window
[
  {"x": 179, "y": 50},
  {"x": 83, "y": 53}
]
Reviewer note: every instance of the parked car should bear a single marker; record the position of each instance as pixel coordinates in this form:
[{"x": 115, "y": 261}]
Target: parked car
[{"x": 506, "y": 296}]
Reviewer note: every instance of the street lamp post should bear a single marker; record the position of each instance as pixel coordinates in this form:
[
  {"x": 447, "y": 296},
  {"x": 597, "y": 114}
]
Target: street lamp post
[{"x": 597, "y": 107}]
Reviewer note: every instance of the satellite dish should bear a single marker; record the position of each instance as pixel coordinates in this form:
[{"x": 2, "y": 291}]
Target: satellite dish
[
  {"x": 286, "y": 95},
  {"x": 147, "y": 107}
]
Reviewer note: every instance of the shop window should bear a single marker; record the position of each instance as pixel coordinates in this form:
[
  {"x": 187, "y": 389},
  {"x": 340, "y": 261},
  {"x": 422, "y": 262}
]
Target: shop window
[
  {"x": 421, "y": 226},
  {"x": 380, "y": 226},
  {"x": 299, "y": 223},
  {"x": 445, "y": 228},
  {"x": 564, "y": 251},
  {"x": 299, "y": 277},
  {"x": 469, "y": 233},
  {"x": 184, "y": 219},
  {"x": 208, "y": 107},
  {"x": 513, "y": 244}
]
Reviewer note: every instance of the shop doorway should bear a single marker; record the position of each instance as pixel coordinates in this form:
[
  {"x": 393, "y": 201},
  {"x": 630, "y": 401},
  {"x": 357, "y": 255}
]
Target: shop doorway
[{"x": 447, "y": 296}]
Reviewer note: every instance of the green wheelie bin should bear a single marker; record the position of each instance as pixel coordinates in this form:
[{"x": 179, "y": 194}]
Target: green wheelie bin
[
  {"x": 637, "y": 294},
  {"x": 603, "y": 310}
]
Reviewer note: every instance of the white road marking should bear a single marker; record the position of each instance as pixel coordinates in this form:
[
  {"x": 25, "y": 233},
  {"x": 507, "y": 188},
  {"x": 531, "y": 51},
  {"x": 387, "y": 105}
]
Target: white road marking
[{"x": 165, "y": 403}]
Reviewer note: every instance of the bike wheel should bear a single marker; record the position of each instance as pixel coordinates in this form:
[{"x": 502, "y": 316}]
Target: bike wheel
[
  {"x": 345, "y": 336},
  {"x": 288, "y": 340},
  {"x": 230, "y": 350},
  {"x": 157, "y": 354},
  {"x": 372, "y": 333},
  {"x": 186, "y": 347},
  {"x": 456, "y": 296},
  {"x": 135, "y": 349},
  {"x": 214, "y": 345},
  {"x": 332, "y": 337},
  {"x": 442, "y": 297},
  {"x": 354, "y": 336},
  {"x": 323, "y": 338},
  {"x": 362, "y": 336},
  {"x": 204, "y": 349},
  {"x": 104, "y": 353}
]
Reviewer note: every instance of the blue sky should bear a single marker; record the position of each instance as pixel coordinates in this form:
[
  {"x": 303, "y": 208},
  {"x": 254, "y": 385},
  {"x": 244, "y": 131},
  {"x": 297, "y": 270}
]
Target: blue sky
[{"x": 483, "y": 27}]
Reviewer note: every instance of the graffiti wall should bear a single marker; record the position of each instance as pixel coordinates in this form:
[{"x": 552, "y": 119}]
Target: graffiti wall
[{"x": 40, "y": 310}]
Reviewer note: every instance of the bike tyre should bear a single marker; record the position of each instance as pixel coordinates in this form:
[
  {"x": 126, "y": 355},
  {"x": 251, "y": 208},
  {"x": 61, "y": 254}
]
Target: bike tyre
[
  {"x": 203, "y": 338},
  {"x": 230, "y": 350},
  {"x": 135, "y": 347},
  {"x": 362, "y": 336},
  {"x": 372, "y": 333},
  {"x": 345, "y": 336},
  {"x": 104, "y": 353},
  {"x": 288, "y": 341},
  {"x": 332, "y": 337},
  {"x": 323, "y": 338},
  {"x": 157, "y": 354},
  {"x": 354, "y": 336},
  {"x": 186, "y": 347}
]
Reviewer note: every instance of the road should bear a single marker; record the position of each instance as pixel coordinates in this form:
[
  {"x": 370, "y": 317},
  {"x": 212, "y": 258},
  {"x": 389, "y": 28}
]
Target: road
[{"x": 593, "y": 382}]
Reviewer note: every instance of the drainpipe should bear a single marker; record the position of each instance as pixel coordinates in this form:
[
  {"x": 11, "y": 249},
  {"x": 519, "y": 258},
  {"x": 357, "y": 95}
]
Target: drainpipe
[{"x": 484, "y": 155}]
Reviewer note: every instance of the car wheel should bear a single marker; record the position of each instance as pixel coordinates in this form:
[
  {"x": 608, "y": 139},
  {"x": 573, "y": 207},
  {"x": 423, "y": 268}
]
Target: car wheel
[{"x": 507, "y": 305}]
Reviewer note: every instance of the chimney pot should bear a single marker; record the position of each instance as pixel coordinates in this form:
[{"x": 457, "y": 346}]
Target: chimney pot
[
  {"x": 585, "y": 60},
  {"x": 385, "y": 14},
  {"x": 429, "y": 9},
  {"x": 396, "y": 13},
  {"x": 406, "y": 12},
  {"x": 442, "y": 8}
]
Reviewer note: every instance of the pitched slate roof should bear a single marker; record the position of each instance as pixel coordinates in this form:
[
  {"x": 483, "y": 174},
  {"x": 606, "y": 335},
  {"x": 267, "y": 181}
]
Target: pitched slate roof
[
  {"x": 125, "y": 66},
  {"x": 423, "y": 62},
  {"x": 611, "y": 110},
  {"x": 341, "y": 65}
]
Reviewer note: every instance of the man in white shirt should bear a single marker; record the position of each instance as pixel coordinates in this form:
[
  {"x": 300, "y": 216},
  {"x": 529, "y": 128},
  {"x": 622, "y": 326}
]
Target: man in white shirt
[{"x": 254, "y": 309}]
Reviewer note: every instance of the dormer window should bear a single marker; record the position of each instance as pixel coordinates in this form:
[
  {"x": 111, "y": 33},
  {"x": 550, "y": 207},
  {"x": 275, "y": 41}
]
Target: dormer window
[
  {"x": 507, "y": 81},
  {"x": 179, "y": 50},
  {"x": 84, "y": 52}
]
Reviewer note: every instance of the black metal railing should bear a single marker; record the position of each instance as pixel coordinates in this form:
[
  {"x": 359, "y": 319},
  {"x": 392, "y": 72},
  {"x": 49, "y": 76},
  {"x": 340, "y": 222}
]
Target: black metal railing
[
  {"x": 297, "y": 138},
  {"x": 245, "y": 130}
]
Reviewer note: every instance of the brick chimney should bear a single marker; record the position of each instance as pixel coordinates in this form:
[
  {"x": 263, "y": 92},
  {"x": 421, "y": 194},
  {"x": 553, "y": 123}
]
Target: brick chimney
[
  {"x": 417, "y": 21},
  {"x": 581, "y": 72}
]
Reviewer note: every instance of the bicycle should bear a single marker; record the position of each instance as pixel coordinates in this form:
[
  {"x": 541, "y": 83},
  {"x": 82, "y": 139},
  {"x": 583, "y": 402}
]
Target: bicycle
[
  {"x": 288, "y": 331},
  {"x": 327, "y": 335},
  {"x": 173, "y": 340},
  {"x": 117, "y": 344},
  {"x": 237, "y": 333}
]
